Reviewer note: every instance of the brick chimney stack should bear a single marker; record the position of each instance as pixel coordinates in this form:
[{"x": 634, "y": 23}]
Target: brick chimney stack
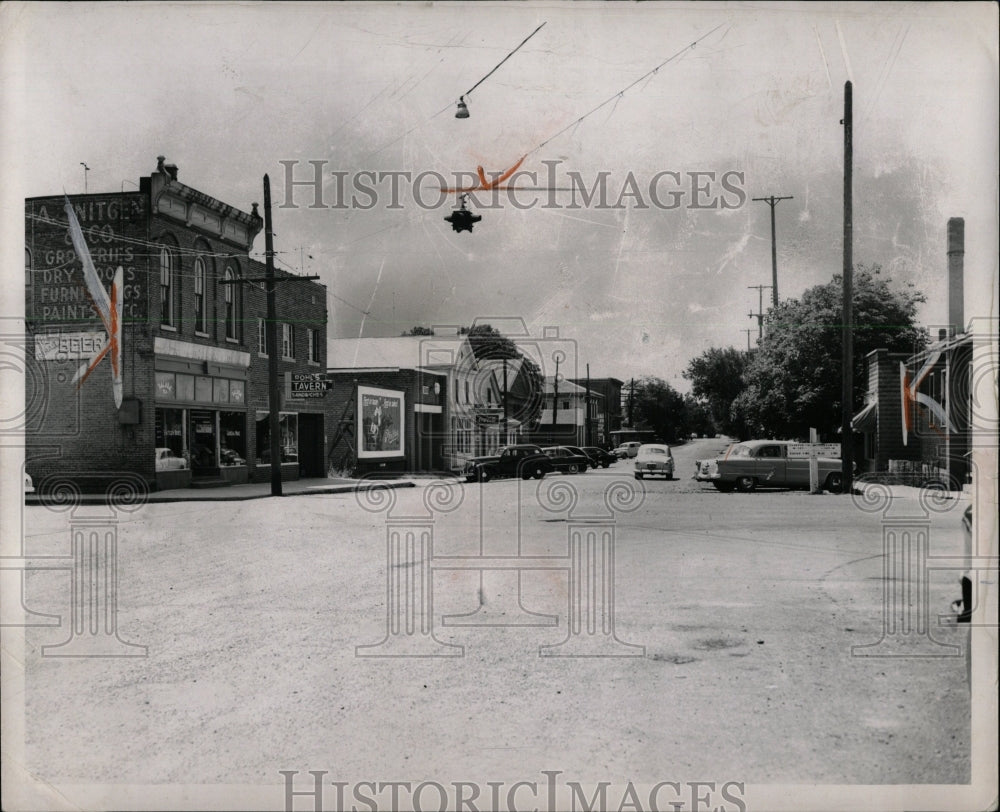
[{"x": 956, "y": 273}]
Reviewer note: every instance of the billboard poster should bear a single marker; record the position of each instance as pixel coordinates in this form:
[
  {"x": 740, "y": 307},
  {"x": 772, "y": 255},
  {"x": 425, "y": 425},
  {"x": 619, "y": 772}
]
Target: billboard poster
[{"x": 380, "y": 416}]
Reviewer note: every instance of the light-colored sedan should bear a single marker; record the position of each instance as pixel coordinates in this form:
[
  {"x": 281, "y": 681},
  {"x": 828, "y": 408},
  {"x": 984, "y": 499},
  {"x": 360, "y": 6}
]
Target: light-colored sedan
[
  {"x": 167, "y": 461},
  {"x": 626, "y": 450},
  {"x": 654, "y": 459}
]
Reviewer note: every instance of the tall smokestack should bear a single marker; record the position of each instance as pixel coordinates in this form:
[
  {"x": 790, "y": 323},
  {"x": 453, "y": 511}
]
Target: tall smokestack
[{"x": 956, "y": 273}]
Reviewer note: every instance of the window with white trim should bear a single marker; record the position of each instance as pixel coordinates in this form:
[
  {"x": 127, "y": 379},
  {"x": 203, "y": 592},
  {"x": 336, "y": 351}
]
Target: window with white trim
[
  {"x": 233, "y": 298},
  {"x": 315, "y": 354},
  {"x": 166, "y": 286},
  {"x": 288, "y": 341},
  {"x": 262, "y": 348},
  {"x": 200, "y": 325}
]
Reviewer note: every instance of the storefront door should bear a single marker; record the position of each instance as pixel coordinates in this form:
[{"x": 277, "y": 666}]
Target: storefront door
[{"x": 202, "y": 434}]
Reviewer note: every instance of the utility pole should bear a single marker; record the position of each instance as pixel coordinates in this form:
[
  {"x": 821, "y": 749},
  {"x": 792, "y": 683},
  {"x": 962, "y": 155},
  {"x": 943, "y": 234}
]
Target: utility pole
[
  {"x": 631, "y": 393},
  {"x": 772, "y": 201},
  {"x": 586, "y": 411},
  {"x": 748, "y": 331},
  {"x": 271, "y": 328},
  {"x": 847, "y": 392},
  {"x": 760, "y": 309},
  {"x": 504, "y": 401},
  {"x": 271, "y": 331},
  {"x": 555, "y": 400}
]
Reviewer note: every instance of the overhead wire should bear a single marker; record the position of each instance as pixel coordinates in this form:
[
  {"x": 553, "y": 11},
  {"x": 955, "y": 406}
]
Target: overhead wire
[
  {"x": 497, "y": 67},
  {"x": 624, "y": 90}
]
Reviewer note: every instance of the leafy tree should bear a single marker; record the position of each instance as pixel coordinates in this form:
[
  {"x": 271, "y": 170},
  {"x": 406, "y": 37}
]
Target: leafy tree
[
  {"x": 526, "y": 390},
  {"x": 698, "y": 417},
  {"x": 418, "y": 331},
  {"x": 793, "y": 380},
  {"x": 716, "y": 381},
  {"x": 658, "y": 406}
]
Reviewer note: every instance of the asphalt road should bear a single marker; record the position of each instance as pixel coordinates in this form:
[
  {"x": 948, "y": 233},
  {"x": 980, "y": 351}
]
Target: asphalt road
[{"x": 746, "y": 605}]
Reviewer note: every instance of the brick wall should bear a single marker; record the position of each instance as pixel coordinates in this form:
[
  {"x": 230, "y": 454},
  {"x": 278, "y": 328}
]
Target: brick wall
[{"x": 76, "y": 431}]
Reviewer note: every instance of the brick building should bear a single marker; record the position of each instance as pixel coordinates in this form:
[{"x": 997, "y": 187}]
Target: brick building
[
  {"x": 917, "y": 420},
  {"x": 193, "y": 351}
]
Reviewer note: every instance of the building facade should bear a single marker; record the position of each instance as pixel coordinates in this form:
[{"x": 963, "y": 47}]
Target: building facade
[
  {"x": 193, "y": 353},
  {"x": 606, "y": 411},
  {"x": 471, "y": 406},
  {"x": 918, "y": 419}
]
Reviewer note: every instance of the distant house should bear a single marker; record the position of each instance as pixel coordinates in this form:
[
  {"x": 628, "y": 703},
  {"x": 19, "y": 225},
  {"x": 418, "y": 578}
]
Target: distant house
[
  {"x": 565, "y": 414},
  {"x": 605, "y": 410}
]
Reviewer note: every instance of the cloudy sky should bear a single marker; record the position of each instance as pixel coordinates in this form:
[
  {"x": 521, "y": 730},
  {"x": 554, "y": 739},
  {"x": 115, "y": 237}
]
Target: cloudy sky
[{"x": 229, "y": 91}]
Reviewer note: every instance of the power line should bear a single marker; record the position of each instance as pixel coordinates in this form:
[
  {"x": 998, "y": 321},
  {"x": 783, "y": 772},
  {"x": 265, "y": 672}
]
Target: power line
[
  {"x": 488, "y": 75},
  {"x": 624, "y": 90}
]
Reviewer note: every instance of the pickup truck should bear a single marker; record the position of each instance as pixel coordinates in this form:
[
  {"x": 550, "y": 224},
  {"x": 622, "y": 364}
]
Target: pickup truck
[
  {"x": 525, "y": 461},
  {"x": 765, "y": 463}
]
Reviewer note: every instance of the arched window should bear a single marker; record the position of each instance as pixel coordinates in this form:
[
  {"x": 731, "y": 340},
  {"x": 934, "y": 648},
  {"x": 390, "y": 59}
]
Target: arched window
[
  {"x": 200, "y": 325},
  {"x": 168, "y": 286},
  {"x": 234, "y": 300}
]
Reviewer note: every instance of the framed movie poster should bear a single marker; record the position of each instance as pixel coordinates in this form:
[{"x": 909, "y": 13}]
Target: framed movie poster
[{"x": 380, "y": 423}]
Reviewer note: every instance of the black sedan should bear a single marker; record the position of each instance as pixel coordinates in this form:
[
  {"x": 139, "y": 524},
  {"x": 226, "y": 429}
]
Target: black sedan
[
  {"x": 599, "y": 456},
  {"x": 563, "y": 459}
]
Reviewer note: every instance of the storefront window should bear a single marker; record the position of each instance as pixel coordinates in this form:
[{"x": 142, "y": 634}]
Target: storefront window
[
  {"x": 171, "y": 450},
  {"x": 232, "y": 438},
  {"x": 288, "y": 427}
]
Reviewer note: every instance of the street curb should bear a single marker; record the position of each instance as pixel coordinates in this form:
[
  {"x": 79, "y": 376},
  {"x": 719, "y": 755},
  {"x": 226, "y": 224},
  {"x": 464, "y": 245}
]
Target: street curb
[{"x": 162, "y": 498}]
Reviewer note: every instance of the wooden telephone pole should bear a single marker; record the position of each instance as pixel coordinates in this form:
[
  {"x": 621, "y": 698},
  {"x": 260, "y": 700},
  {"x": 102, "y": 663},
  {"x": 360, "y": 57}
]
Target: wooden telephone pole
[
  {"x": 271, "y": 331},
  {"x": 847, "y": 391},
  {"x": 772, "y": 201}
]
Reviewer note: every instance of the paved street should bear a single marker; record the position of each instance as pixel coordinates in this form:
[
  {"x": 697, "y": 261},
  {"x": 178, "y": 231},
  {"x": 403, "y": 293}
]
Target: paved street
[{"x": 747, "y": 606}]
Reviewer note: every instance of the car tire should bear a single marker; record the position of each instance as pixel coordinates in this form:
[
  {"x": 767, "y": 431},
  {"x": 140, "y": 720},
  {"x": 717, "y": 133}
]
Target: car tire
[
  {"x": 638, "y": 476},
  {"x": 605, "y": 464},
  {"x": 538, "y": 472},
  {"x": 572, "y": 468},
  {"x": 484, "y": 475},
  {"x": 834, "y": 483},
  {"x": 746, "y": 484},
  {"x": 723, "y": 487}
]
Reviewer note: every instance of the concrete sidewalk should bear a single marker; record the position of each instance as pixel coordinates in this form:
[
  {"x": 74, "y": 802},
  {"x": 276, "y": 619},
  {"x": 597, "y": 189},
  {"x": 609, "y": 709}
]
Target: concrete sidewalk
[
  {"x": 255, "y": 490},
  {"x": 910, "y": 491}
]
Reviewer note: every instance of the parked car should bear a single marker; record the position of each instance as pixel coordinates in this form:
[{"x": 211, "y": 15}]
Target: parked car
[
  {"x": 626, "y": 450},
  {"x": 525, "y": 461},
  {"x": 599, "y": 456},
  {"x": 765, "y": 463},
  {"x": 580, "y": 452},
  {"x": 563, "y": 459},
  {"x": 166, "y": 460},
  {"x": 228, "y": 456},
  {"x": 654, "y": 459}
]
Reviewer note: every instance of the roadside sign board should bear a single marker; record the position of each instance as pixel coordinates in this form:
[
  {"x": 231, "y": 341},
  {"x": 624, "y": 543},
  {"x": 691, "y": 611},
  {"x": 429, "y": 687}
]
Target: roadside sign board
[
  {"x": 301, "y": 386},
  {"x": 800, "y": 451}
]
